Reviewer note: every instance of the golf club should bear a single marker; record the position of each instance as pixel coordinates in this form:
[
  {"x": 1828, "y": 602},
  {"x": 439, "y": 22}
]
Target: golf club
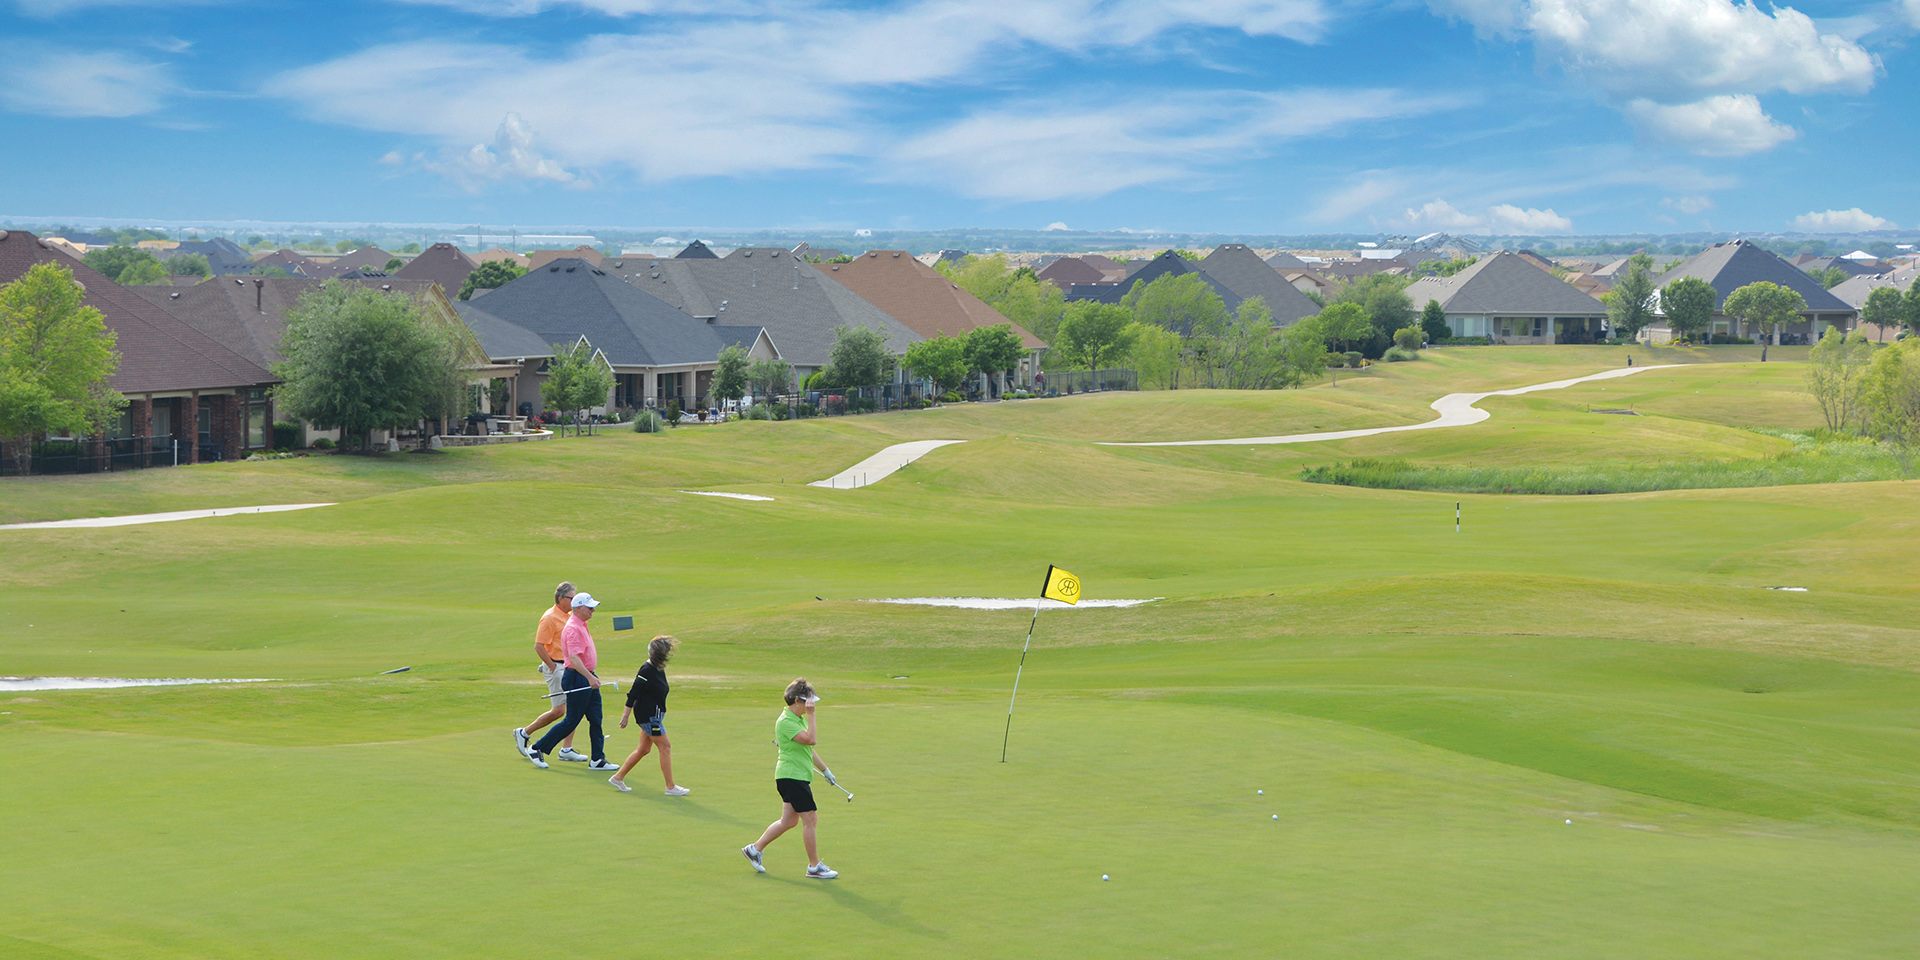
[
  {"x": 837, "y": 786},
  {"x": 609, "y": 685},
  {"x": 401, "y": 670}
]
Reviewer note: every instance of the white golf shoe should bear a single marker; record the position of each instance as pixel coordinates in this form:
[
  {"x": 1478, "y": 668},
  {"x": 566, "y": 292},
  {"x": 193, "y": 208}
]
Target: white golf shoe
[
  {"x": 753, "y": 858},
  {"x": 534, "y": 756},
  {"x": 678, "y": 791},
  {"x": 820, "y": 871},
  {"x": 520, "y": 740},
  {"x": 602, "y": 765},
  {"x": 568, "y": 753},
  {"x": 619, "y": 784}
]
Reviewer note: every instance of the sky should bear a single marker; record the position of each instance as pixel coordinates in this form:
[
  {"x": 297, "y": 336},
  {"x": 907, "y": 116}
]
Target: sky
[{"x": 1237, "y": 116}]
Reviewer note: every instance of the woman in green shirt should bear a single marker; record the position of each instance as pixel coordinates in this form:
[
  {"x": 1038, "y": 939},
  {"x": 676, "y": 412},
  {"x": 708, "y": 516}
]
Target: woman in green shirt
[{"x": 793, "y": 779}]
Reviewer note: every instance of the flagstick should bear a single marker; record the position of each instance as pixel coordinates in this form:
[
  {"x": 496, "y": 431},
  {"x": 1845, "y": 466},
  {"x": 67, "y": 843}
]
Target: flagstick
[{"x": 1016, "y": 674}]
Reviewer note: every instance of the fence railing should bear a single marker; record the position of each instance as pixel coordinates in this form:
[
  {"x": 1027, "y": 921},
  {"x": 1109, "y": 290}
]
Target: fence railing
[
  {"x": 54, "y": 457},
  {"x": 1090, "y": 381}
]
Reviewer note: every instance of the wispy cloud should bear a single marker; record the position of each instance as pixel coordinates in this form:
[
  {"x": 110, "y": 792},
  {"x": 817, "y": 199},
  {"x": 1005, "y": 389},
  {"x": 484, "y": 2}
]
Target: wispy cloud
[
  {"x": 64, "y": 82},
  {"x": 1439, "y": 215},
  {"x": 1855, "y": 220}
]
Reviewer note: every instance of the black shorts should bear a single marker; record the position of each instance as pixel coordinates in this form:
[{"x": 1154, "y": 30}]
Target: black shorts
[
  {"x": 654, "y": 726},
  {"x": 797, "y": 792}
]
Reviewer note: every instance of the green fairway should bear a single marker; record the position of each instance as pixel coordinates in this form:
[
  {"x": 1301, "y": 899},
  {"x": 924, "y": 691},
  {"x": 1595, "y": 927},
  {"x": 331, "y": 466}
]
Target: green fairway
[{"x": 1424, "y": 710}]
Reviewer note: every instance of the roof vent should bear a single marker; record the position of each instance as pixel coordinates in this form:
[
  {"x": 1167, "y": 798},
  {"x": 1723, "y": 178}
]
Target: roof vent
[
  {"x": 386, "y": 286},
  {"x": 173, "y": 296},
  {"x": 3, "y": 234},
  {"x": 617, "y": 263},
  {"x": 554, "y": 269},
  {"x": 239, "y": 283},
  {"x": 896, "y": 256},
  {"x": 836, "y": 266},
  {"x": 571, "y": 269},
  {"x": 873, "y": 255},
  {"x": 749, "y": 253},
  {"x": 655, "y": 274}
]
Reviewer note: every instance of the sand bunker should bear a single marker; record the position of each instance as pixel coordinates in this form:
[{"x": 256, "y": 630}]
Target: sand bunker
[{"x": 998, "y": 603}]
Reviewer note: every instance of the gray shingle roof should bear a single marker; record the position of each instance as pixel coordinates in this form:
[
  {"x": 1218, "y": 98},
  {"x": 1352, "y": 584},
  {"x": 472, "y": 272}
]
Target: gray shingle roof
[
  {"x": 1166, "y": 264},
  {"x": 1854, "y": 292},
  {"x": 1243, "y": 272},
  {"x": 1287, "y": 261},
  {"x": 569, "y": 299},
  {"x": 1732, "y": 265},
  {"x": 249, "y": 314},
  {"x": 1505, "y": 283},
  {"x": 798, "y": 305},
  {"x": 500, "y": 339}
]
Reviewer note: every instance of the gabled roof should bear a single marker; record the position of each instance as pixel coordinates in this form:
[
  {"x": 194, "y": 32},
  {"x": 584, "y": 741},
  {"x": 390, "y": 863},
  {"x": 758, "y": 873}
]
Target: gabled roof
[
  {"x": 569, "y": 299},
  {"x": 918, "y": 296},
  {"x": 1064, "y": 272},
  {"x": 1734, "y": 264},
  {"x": 1855, "y": 291},
  {"x": 798, "y": 305},
  {"x": 500, "y": 339},
  {"x": 249, "y": 314},
  {"x": 158, "y": 351},
  {"x": 292, "y": 262},
  {"x": 1286, "y": 261},
  {"x": 1243, "y": 272},
  {"x": 1504, "y": 283},
  {"x": 697, "y": 250},
  {"x": 1851, "y": 267},
  {"x": 807, "y": 251},
  {"x": 443, "y": 263},
  {"x": 1164, "y": 265},
  {"x": 367, "y": 257},
  {"x": 540, "y": 258},
  {"x": 505, "y": 256},
  {"x": 1100, "y": 262},
  {"x": 224, "y": 257},
  {"x": 761, "y": 253}
]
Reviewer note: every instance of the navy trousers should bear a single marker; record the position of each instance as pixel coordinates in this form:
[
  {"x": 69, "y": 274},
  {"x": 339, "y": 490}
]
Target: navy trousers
[{"x": 583, "y": 703}]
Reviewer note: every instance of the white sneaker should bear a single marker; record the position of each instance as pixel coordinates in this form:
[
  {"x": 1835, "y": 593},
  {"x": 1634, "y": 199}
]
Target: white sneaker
[
  {"x": 678, "y": 791},
  {"x": 520, "y": 740},
  {"x": 619, "y": 784},
  {"x": 602, "y": 765},
  {"x": 535, "y": 757},
  {"x": 753, "y": 857},
  {"x": 568, "y": 753},
  {"x": 821, "y": 871}
]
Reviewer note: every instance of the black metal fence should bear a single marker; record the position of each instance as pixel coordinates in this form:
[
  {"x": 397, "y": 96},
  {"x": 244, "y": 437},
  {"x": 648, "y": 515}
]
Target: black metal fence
[
  {"x": 54, "y": 457},
  {"x": 1090, "y": 381}
]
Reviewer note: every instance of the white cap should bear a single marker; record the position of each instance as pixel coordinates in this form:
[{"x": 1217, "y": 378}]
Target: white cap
[{"x": 584, "y": 600}]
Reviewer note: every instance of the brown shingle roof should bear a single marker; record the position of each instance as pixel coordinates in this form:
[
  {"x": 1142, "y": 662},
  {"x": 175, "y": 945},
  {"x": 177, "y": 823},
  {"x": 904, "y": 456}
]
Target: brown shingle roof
[
  {"x": 540, "y": 258},
  {"x": 249, "y": 314},
  {"x": 918, "y": 296},
  {"x": 158, "y": 351},
  {"x": 442, "y": 263}
]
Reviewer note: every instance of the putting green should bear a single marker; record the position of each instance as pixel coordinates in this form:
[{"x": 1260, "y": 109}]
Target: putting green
[{"x": 1424, "y": 710}]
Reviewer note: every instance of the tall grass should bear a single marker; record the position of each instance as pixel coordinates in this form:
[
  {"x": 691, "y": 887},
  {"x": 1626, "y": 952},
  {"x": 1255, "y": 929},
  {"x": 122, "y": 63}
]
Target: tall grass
[{"x": 1819, "y": 457}]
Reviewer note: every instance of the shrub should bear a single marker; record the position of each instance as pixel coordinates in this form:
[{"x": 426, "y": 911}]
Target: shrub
[
  {"x": 323, "y": 444},
  {"x": 952, "y": 396},
  {"x": 1356, "y": 359},
  {"x": 817, "y": 381},
  {"x": 806, "y": 410},
  {"x": 286, "y": 436},
  {"x": 1721, "y": 339},
  {"x": 646, "y": 421},
  {"x": 1408, "y": 338},
  {"x": 1396, "y": 354},
  {"x": 674, "y": 413},
  {"x": 1463, "y": 342}
]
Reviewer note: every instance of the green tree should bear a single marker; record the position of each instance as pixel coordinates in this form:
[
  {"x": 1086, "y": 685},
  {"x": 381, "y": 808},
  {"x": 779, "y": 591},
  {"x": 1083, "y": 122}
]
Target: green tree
[
  {"x": 1408, "y": 338},
  {"x": 858, "y": 357},
  {"x": 56, "y": 356},
  {"x": 770, "y": 378},
  {"x": 1185, "y": 304},
  {"x": 1883, "y": 309},
  {"x": 1092, "y": 332},
  {"x": 578, "y": 379},
  {"x": 1766, "y": 304},
  {"x": 995, "y": 350},
  {"x": 1018, "y": 295},
  {"x": 1433, "y": 322},
  {"x": 490, "y": 275},
  {"x": 394, "y": 263},
  {"x": 1343, "y": 324},
  {"x": 1154, "y": 354},
  {"x": 360, "y": 359},
  {"x": 1836, "y": 372},
  {"x": 410, "y": 248},
  {"x": 1891, "y": 395},
  {"x": 1384, "y": 298},
  {"x": 143, "y": 273},
  {"x": 730, "y": 377},
  {"x": 1688, "y": 303},
  {"x": 1630, "y": 302},
  {"x": 1302, "y": 353},
  {"x": 1830, "y": 277},
  {"x": 941, "y": 359},
  {"x": 1244, "y": 354},
  {"x": 189, "y": 265},
  {"x": 113, "y": 261},
  {"x": 270, "y": 271}
]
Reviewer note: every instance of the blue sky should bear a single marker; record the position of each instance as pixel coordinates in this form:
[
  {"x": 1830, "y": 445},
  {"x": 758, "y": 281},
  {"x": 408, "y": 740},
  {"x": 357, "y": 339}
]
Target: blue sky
[{"x": 1252, "y": 116}]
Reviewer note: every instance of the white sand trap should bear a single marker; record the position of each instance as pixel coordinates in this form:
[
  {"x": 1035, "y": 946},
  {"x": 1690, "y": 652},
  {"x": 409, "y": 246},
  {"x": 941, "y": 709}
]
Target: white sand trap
[
  {"x": 1455, "y": 409},
  {"x": 22, "y": 684},
  {"x": 140, "y": 518},
  {"x": 881, "y": 465},
  {"x": 998, "y": 603},
  {"x": 730, "y": 496}
]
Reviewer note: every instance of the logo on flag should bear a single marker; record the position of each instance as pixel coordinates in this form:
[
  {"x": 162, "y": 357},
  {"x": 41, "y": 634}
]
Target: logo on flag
[{"x": 1061, "y": 586}]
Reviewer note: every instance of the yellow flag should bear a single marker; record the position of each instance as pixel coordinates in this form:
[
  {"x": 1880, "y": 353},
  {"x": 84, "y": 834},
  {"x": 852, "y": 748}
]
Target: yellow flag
[{"x": 1061, "y": 586}]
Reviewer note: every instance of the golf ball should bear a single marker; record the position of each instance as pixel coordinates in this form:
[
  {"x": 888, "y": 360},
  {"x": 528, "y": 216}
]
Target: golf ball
[
  {"x": 1260, "y": 793},
  {"x": 1276, "y": 816},
  {"x": 1103, "y": 876},
  {"x": 1569, "y": 823}
]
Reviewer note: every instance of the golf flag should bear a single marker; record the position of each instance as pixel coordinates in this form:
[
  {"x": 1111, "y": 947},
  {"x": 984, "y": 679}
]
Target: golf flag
[{"x": 1061, "y": 586}]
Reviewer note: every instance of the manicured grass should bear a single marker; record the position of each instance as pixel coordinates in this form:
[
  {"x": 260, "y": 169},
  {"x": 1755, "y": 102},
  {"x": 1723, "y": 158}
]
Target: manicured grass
[{"x": 1423, "y": 709}]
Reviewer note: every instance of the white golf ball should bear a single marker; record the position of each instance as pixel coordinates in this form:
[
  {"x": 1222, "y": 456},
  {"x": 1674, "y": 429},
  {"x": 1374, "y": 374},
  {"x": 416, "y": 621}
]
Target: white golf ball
[
  {"x": 1260, "y": 793},
  {"x": 1569, "y": 823},
  {"x": 1276, "y": 816},
  {"x": 1103, "y": 876}
]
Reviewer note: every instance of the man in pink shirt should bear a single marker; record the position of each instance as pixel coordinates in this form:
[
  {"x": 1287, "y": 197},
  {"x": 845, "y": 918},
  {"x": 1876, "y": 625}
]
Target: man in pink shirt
[{"x": 582, "y": 686}]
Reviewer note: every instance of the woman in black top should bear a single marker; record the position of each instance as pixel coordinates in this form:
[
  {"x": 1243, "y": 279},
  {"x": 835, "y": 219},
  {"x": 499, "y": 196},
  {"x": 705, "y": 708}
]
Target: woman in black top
[{"x": 647, "y": 701}]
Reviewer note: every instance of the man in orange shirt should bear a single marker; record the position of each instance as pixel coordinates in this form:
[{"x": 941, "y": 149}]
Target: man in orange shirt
[{"x": 553, "y": 662}]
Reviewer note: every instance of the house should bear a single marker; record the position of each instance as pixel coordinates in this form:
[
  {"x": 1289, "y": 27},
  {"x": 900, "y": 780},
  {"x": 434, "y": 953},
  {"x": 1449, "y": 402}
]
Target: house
[
  {"x": 1168, "y": 264},
  {"x": 925, "y": 301},
  {"x": 807, "y": 251},
  {"x": 504, "y": 256},
  {"x": 1307, "y": 281},
  {"x": 1241, "y": 270},
  {"x": 442, "y": 263},
  {"x": 1846, "y": 265},
  {"x": 1350, "y": 269},
  {"x": 799, "y": 306},
  {"x": 1736, "y": 263},
  {"x": 1284, "y": 261},
  {"x": 365, "y": 258},
  {"x": 249, "y": 316},
  {"x": 697, "y": 250},
  {"x": 1854, "y": 293},
  {"x": 224, "y": 257},
  {"x": 540, "y": 258},
  {"x": 1509, "y": 298},
  {"x": 180, "y": 382},
  {"x": 295, "y": 264},
  {"x": 658, "y": 353},
  {"x": 1064, "y": 272}
]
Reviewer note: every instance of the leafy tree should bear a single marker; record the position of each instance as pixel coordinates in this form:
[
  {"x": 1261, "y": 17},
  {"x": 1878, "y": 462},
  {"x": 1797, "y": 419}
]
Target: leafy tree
[
  {"x": 1433, "y": 322},
  {"x": 770, "y": 377},
  {"x": 1910, "y": 307},
  {"x": 1384, "y": 298},
  {"x": 1245, "y": 354},
  {"x": 1185, "y": 304},
  {"x": 271, "y": 271},
  {"x": 1448, "y": 267},
  {"x": 56, "y": 356},
  {"x": 843, "y": 258},
  {"x": 345, "y": 246},
  {"x": 730, "y": 378},
  {"x": 995, "y": 350},
  {"x": 1836, "y": 372},
  {"x": 577, "y": 380},
  {"x": 1343, "y": 324},
  {"x": 1092, "y": 332},
  {"x": 1767, "y": 304},
  {"x": 1408, "y": 338},
  {"x": 858, "y": 357},
  {"x": 394, "y": 263},
  {"x": 1884, "y": 308},
  {"x": 143, "y": 273},
  {"x": 1301, "y": 353},
  {"x": 1018, "y": 295},
  {"x": 1630, "y": 302},
  {"x": 1688, "y": 303},
  {"x": 1830, "y": 277},
  {"x": 113, "y": 261},
  {"x": 490, "y": 275},
  {"x": 1891, "y": 395},
  {"x": 189, "y": 265},
  {"x": 359, "y": 359},
  {"x": 941, "y": 359},
  {"x": 256, "y": 240},
  {"x": 1194, "y": 255},
  {"x": 1154, "y": 353},
  {"x": 410, "y": 248}
]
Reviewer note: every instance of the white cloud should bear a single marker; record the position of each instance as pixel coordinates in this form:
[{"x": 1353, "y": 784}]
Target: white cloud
[
  {"x": 1372, "y": 189},
  {"x": 1029, "y": 152},
  {"x": 1439, "y": 215},
  {"x": 1058, "y": 225},
  {"x": 1722, "y": 126},
  {"x": 392, "y": 158},
  {"x": 1688, "y": 205},
  {"x": 1855, "y": 220},
  {"x": 511, "y": 157},
  {"x": 71, "y": 83}
]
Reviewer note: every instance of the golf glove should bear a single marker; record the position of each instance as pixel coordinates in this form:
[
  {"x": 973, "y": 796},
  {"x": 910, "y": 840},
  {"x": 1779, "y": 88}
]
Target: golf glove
[{"x": 830, "y": 778}]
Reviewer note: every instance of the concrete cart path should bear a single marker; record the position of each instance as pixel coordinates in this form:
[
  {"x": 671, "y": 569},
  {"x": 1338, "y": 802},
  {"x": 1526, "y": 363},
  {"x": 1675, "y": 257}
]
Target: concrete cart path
[
  {"x": 1455, "y": 409},
  {"x": 881, "y": 465},
  {"x": 140, "y": 518}
]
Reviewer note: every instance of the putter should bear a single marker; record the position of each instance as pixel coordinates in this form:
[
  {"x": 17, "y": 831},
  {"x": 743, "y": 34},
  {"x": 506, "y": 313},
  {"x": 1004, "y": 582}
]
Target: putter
[{"x": 609, "y": 685}]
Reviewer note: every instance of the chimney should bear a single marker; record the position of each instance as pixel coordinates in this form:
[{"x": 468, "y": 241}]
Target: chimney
[{"x": 259, "y": 293}]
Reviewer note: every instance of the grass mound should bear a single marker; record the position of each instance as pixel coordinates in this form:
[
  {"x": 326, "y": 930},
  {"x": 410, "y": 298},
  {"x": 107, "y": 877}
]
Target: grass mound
[{"x": 1815, "y": 458}]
